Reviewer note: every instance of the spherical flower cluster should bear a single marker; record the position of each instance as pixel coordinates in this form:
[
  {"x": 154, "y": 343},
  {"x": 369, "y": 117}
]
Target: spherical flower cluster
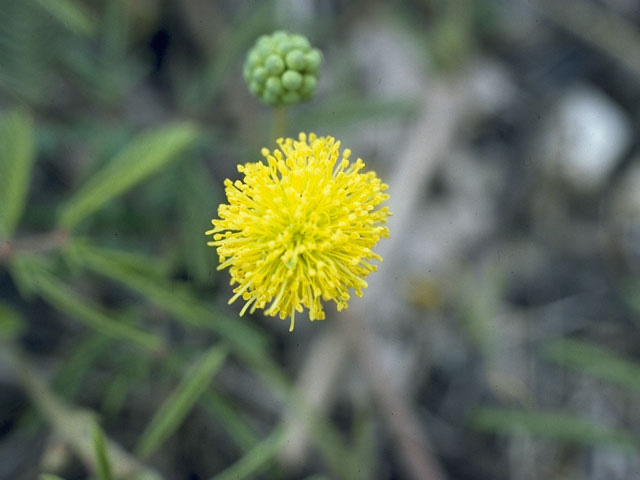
[
  {"x": 299, "y": 228},
  {"x": 282, "y": 69}
]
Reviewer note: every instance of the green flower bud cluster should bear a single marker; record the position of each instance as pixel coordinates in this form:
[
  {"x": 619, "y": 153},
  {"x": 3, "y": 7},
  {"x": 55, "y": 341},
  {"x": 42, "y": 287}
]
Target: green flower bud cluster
[{"x": 282, "y": 69}]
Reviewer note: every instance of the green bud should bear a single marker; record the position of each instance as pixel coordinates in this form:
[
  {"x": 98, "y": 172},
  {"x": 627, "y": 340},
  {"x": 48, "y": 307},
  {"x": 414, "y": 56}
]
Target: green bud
[
  {"x": 254, "y": 59},
  {"x": 279, "y": 35},
  {"x": 295, "y": 60},
  {"x": 263, "y": 39},
  {"x": 282, "y": 68},
  {"x": 255, "y": 88},
  {"x": 291, "y": 80},
  {"x": 285, "y": 47},
  {"x": 274, "y": 85},
  {"x": 300, "y": 42},
  {"x": 260, "y": 74},
  {"x": 270, "y": 98},
  {"x": 290, "y": 98},
  {"x": 274, "y": 64},
  {"x": 309, "y": 84},
  {"x": 314, "y": 59}
]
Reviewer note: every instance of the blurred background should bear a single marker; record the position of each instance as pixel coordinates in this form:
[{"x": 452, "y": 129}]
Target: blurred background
[{"x": 500, "y": 338}]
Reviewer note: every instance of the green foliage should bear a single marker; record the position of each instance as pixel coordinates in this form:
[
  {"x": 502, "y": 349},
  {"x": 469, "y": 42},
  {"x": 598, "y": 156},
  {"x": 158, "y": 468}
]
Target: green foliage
[
  {"x": 198, "y": 199},
  {"x": 53, "y": 290},
  {"x": 142, "y": 157},
  {"x": 171, "y": 296},
  {"x": 593, "y": 360},
  {"x": 72, "y": 15},
  {"x": 11, "y": 322},
  {"x": 227, "y": 415},
  {"x": 173, "y": 411},
  {"x": 79, "y": 364},
  {"x": 555, "y": 425},
  {"x": 103, "y": 465},
  {"x": 25, "y": 67},
  {"x": 253, "y": 461},
  {"x": 17, "y": 153}
]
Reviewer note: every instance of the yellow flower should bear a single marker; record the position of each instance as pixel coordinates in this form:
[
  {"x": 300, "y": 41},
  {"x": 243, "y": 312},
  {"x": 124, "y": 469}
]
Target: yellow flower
[{"x": 299, "y": 228}]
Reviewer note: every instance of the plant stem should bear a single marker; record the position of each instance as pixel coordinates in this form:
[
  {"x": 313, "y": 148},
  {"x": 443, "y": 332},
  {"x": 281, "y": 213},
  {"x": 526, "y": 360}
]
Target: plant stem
[{"x": 279, "y": 123}]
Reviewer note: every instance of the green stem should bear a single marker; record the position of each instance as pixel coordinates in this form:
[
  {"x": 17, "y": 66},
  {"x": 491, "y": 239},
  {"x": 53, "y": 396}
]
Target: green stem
[{"x": 279, "y": 123}]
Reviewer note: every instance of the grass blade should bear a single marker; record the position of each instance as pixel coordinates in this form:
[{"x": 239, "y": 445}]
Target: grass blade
[
  {"x": 595, "y": 361},
  {"x": 142, "y": 157},
  {"x": 554, "y": 425},
  {"x": 17, "y": 153},
  {"x": 173, "y": 411}
]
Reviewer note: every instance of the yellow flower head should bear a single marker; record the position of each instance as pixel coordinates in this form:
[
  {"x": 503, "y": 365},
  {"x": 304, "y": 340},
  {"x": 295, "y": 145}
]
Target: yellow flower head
[{"x": 299, "y": 228}]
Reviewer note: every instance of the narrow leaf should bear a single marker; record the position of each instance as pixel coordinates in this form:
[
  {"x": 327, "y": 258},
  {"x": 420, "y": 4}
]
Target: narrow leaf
[
  {"x": 78, "y": 364},
  {"x": 174, "y": 410},
  {"x": 11, "y": 322},
  {"x": 595, "y": 361},
  {"x": 52, "y": 290},
  {"x": 198, "y": 201},
  {"x": 70, "y": 14},
  {"x": 242, "y": 434},
  {"x": 551, "y": 425},
  {"x": 256, "y": 459},
  {"x": 139, "y": 159},
  {"x": 103, "y": 466},
  {"x": 171, "y": 296},
  {"x": 17, "y": 153}
]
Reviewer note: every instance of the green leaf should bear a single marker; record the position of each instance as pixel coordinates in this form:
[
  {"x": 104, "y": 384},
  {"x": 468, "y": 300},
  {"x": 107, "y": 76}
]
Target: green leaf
[
  {"x": 79, "y": 363},
  {"x": 171, "y": 296},
  {"x": 103, "y": 466},
  {"x": 174, "y": 410},
  {"x": 11, "y": 322},
  {"x": 554, "y": 425},
  {"x": 230, "y": 418},
  {"x": 198, "y": 199},
  {"x": 144, "y": 156},
  {"x": 49, "y": 476},
  {"x": 249, "y": 343},
  {"x": 595, "y": 361},
  {"x": 54, "y": 292},
  {"x": 251, "y": 464},
  {"x": 70, "y": 14},
  {"x": 17, "y": 153}
]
